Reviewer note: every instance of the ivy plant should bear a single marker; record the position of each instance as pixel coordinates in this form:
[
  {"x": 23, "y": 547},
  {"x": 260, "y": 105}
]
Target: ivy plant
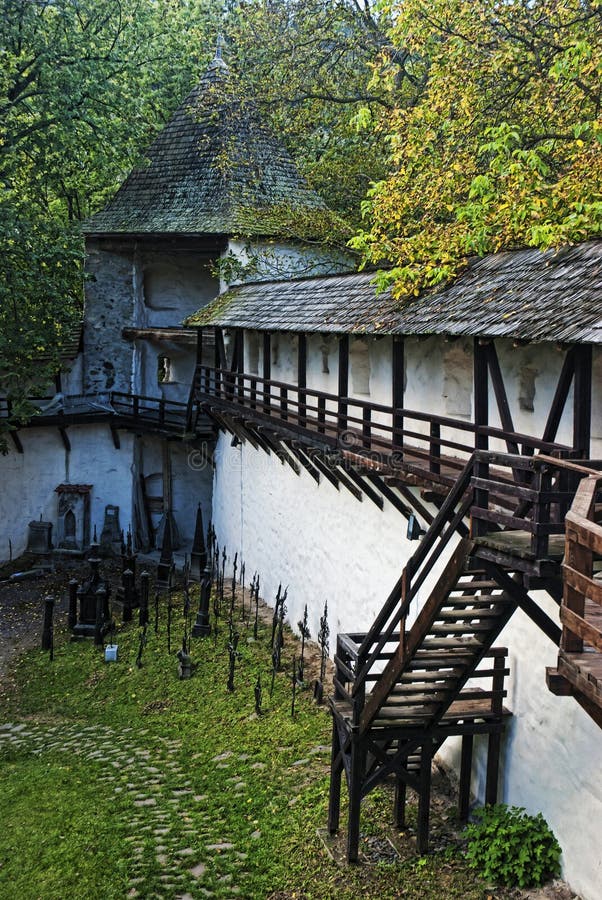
[{"x": 510, "y": 847}]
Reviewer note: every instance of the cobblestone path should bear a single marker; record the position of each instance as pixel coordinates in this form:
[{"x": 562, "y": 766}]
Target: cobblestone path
[{"x": 168, "y": 819}]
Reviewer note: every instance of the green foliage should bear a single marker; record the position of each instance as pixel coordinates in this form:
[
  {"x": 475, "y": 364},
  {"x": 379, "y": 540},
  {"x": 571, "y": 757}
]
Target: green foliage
[
  {"x": 308, "y": 63},
  {"x": 509, "y": 847},
  {"x": 499, "y": 146}
]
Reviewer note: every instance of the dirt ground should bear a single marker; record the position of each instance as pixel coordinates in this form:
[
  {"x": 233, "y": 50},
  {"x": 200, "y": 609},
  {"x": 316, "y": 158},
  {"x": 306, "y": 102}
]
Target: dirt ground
[{"x": 21, "y": 617}]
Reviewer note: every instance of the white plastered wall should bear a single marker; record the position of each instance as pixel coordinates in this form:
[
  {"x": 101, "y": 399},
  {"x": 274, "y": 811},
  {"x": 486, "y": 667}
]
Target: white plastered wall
[
  {"x": 29, "y": 479},
  {"x": 273, "y": 260},
  {"x": 321, "y": 542}
]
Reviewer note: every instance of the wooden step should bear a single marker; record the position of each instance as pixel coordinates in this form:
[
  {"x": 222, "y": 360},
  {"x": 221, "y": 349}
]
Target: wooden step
[
  {"x": 458, "y": 628},
  {"x": 479, "y": 600},
  {"x": 476, "y": 585},
  {"x": 428, "y": 675},
  {"x": 461, "y": 615},
  {"x": 451, "y": 644}
]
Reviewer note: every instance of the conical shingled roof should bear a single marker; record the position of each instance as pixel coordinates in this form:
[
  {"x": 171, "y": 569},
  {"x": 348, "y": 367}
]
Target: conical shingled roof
[{"x": 214, "y": 169}]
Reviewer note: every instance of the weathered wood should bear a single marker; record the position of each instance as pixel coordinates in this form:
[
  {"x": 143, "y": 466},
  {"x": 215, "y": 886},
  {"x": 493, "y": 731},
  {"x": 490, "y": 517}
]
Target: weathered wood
[
  {"x": 480, "y": 392},
  {"x": 591, "y": 588},
  {"x": 582, "y": 400},
  {"x": 343, "y": 382},
  {"x": 560, "y": 396},
  {"x": 500, "y": 395},
  {"x": 394, "y": 667},
  {"x": 578, "y": 626}
]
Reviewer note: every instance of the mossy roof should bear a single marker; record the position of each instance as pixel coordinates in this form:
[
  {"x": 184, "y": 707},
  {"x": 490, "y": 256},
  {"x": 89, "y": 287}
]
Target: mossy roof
[
  {"x": 519, "y": 294},
  {"x": 215, "y": 169}
]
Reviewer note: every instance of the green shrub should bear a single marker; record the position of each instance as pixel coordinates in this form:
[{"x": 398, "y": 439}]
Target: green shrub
[{"x": 509, "y": 847}]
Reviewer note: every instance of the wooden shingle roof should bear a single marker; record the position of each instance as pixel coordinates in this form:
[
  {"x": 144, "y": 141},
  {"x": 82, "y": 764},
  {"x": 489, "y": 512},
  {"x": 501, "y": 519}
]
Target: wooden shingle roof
[
  {"x": 214, "y": 169},
  {"x": 521, "y": 294}
]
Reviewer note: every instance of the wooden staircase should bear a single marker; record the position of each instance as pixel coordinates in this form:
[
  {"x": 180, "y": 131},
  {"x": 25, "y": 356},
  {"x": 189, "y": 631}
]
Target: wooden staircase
[{"x": 400, "y": 690}]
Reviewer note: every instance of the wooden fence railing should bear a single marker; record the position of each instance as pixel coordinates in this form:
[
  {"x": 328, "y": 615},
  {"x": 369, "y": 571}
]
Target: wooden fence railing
[
  {"x": 581, "y": 609},
  {"x": 485, "y": 483},
  {"x": 140, "y": 409},
  {"x": 418, "y": 440}
]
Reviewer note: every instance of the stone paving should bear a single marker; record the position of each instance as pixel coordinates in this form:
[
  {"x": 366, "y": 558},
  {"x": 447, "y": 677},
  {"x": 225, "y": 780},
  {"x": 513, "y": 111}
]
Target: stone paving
[{"x": 171, "y": 821}]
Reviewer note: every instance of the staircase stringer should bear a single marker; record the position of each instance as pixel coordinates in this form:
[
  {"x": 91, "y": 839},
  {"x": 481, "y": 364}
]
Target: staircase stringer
[{"x": 403, "y": 655}]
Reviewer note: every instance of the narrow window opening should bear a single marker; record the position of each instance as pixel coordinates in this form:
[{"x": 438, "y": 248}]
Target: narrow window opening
[{"x": 163, "y": 369}]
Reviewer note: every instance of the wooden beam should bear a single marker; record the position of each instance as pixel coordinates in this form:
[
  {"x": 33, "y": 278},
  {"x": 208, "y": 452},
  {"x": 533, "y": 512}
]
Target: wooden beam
[
  {"x": 65, "y": 438},
  {"x": 199, "y": 347},
  {"x": 267, "y": 355},
  {"x": 16, "y": 441},
  {"x": 343, "y": 381},
  {"x": 389, "y": 493},
  {"x": 560, "y": 396},
  {"x": 302, "y": 376},
  {"x": 397, "y": 388},
  {"x": 582, "y": 400},
  {"x": 220, "y": 350},
  {"x": 363, "y": 486},
  {"x": 501, "y": 397},
  {"x": 481, "y": 392}
]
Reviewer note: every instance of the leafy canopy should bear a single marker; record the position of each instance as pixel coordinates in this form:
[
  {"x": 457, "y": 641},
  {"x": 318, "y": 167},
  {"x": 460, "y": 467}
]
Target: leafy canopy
[{"x": 500, "y": 147}]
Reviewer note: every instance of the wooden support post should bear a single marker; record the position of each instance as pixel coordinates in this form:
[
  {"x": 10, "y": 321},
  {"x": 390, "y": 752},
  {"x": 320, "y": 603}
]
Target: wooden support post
[
  {"x": 582, "y": 401},
  {"x": 493, "y": 766},
  {"x": 343, "y": 382},
  {"x": 336, "y": 767},
  {"x": 465, "y": 773},
  {"x": 481, "y": 393},
  {"x": 560, "y": 396},
  {"x": 367, "y": 427},
  {"x": 240, "y": 364},
  {"x": 397, "y": 389},
  {"x": 358, "y": 757},
  {"x": 302, "y": 378},
  {"x": 321, "y": 415},
  {"x": 501, "y": 398},
  {"x": 400, "y": 799},
  {"x": 542, "y": 483},
  {"x": 424, "y": 799},
  {"x": 267, "y": 370},
  {"x": 435, "y": 448},
  {"x": 481, "y": 418}
]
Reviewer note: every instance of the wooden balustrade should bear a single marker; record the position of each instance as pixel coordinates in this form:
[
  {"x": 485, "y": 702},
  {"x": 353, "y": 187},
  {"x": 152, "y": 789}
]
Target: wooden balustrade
[
  {"x": 423, "y": 441},
  {"x": 581, "y": 610}
]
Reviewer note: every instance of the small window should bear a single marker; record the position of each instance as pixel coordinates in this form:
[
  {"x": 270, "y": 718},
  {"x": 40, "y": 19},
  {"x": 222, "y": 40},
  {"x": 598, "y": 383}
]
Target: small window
[{"x": 163, "y": 369}]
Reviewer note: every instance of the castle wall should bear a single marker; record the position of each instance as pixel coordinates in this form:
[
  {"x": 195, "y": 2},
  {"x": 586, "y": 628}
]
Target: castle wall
[
  {"x": 110, "y": 303},
  {"x": 29, "y": 479}
]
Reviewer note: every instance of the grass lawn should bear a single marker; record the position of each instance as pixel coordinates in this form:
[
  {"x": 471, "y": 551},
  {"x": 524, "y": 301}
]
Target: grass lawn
[{"x": 120, "y": 781}]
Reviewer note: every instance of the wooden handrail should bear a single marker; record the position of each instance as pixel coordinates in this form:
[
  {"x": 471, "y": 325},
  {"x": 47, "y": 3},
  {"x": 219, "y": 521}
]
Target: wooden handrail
[{"x": 583, "y": 542}]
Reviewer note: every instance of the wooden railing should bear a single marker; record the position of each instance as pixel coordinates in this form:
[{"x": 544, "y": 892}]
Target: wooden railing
[
  {"x": 486, "y": 683},
  {"x": 415, "y": 440},
  {"x": 484, "y": 484},
  {"x": 137, "y": 408},
  {"x": 581, "y": 609}
]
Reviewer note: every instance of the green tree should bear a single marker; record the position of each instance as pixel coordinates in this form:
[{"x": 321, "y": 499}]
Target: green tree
[
  {"x": 308, "y": 64},
  {"x": 84, "y": 87},
  {"x": 502, "y": 146}
]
